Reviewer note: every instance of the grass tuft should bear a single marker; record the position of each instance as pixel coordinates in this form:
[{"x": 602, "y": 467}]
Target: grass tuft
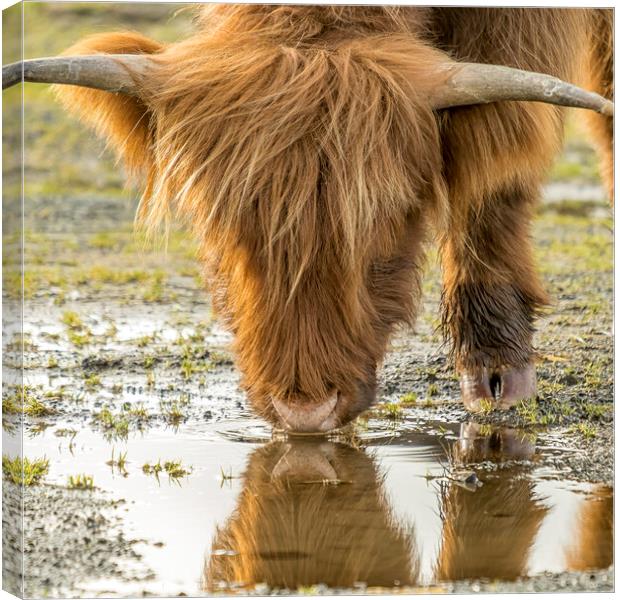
[
  {"x": 409, "y": 399},
  {"x": 173, "y": 468},
  {"x": 115, "y": 426},
  {"x": 36, "y": 408},
  {"x": 80, "y": 482},
  {"x": 92, "y": 382},
  {"x": 24, "y": 472},
  {"x": 487, "y": 405},
  {"x": 587, "y": 430}
]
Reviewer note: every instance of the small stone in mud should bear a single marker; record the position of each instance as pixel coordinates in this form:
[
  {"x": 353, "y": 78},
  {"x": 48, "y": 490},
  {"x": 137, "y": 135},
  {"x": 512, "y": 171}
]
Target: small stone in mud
[
  {"x": 472, "y": 479},
  {"x": 468, "y": 480}
]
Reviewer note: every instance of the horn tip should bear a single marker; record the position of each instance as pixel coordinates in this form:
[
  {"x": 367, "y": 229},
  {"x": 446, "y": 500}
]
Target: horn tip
[{"x": 607, "y": 109}]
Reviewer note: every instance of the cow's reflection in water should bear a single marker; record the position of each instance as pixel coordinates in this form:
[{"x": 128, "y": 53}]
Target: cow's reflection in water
[
  {"x": 593, "y": 545},
  {"x": 291, "y": 530},
  {"x": 317, "y": 512},
  {"x": 489, "y": 533}
]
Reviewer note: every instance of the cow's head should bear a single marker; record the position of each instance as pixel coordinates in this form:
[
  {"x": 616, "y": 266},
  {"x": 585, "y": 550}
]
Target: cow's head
[
  {"x": 307, "y": 173},
  {"x": 303, "y": 150}
]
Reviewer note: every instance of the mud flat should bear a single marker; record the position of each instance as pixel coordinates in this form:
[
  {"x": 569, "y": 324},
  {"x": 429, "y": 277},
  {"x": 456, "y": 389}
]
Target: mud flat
[{"x": 70, "y": 537}]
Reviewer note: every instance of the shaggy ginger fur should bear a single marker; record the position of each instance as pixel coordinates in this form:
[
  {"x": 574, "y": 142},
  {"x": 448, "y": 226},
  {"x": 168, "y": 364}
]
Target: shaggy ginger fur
[{"x": 299, "y": 145}]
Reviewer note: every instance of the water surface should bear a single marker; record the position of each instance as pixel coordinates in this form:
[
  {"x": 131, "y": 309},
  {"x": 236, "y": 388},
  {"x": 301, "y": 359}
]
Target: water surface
[{"x": 430, "y": 503}]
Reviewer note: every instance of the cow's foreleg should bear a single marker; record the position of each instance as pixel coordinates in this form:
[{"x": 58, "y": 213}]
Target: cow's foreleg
[{"x": 491, "y": 296}]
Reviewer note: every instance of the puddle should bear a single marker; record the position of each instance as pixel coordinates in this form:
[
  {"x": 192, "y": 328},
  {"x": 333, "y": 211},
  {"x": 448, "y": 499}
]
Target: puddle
[{"x": 439, "y": 502}]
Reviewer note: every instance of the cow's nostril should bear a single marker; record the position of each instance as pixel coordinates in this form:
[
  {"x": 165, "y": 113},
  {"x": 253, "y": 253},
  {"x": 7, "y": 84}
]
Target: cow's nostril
[
  {"x": 495, "y": 383},
  {"x": 308, "y": 417}
]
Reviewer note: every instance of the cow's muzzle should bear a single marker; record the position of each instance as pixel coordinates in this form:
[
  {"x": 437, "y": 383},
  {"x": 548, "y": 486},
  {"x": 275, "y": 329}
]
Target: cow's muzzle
[{"x": 308, "y": 417}]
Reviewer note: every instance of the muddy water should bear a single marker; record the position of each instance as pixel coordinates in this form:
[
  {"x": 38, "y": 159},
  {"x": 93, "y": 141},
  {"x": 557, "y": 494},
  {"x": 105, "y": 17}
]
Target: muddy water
[{"x": 424, "y": 504}]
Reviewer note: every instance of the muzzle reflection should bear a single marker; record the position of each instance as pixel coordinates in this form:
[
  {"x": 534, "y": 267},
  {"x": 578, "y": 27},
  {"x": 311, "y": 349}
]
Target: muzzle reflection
[{"x": 317, "y": 512}]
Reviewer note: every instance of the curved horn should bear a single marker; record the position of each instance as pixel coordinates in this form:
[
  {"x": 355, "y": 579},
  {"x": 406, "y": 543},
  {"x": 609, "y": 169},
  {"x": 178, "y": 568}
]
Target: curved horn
[
  {"x": 475, "y": 83},
  {"x": 466, "y": 83},
  {"x": 108, "y": 72}
]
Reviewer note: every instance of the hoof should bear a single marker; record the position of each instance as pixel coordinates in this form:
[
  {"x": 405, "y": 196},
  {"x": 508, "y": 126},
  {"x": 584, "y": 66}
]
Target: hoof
[
  {"x": 503, "y": 387},
  {"x": 478, "y": 443}
]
